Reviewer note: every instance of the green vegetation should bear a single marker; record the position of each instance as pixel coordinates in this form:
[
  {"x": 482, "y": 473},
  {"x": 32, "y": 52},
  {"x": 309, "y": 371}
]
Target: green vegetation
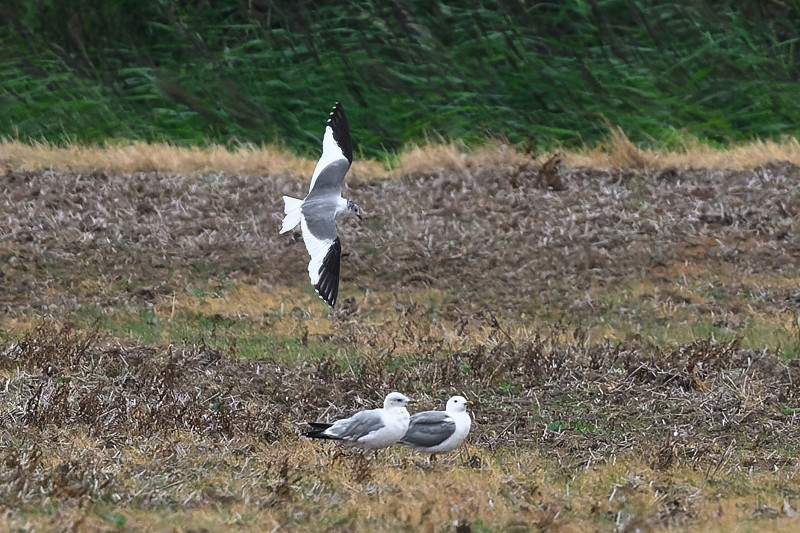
[
  {"x": 243, "y": 336},
  {"x": 537, "y": 73}
]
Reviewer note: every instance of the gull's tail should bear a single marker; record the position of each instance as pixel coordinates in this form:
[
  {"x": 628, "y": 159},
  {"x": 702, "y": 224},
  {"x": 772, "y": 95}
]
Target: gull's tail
[
  {"x": 318, "y": 431},
  {"x": 292, "y": 209}
]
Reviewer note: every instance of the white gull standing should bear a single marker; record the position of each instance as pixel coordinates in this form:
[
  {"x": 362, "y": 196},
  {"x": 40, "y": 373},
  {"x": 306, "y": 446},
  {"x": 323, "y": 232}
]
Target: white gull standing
[
  {"x": 317, "y": 213},
  {"x": 439, "y": 431},
  {"x": 370, "y": 430}
]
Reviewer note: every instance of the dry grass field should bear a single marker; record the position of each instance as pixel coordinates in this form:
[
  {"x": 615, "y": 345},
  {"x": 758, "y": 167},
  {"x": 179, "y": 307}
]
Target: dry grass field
[{"x": 626, "y": 322}]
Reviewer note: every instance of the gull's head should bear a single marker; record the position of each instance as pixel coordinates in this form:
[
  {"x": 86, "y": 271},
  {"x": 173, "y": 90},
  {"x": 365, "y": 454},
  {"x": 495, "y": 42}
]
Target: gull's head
[
  {"x": 395, "y": 400},
  {"x": 457, "y": 404},
  {"x": 353, "y": 208}
]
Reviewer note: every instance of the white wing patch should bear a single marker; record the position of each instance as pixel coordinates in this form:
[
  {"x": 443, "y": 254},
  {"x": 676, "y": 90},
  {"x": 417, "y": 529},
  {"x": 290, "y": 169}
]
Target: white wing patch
[
  {"x": 317, "y": 249},
  {"x": 330, "y": 153},
  {"x": 369, "y": 437}
]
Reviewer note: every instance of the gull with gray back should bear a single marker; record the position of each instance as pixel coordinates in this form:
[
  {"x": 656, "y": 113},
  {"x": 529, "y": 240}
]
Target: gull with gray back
[
  {"x": 317, "y": 213},
  {"x": 370, "y": 430},
  {"x": 439, "y": 431}
]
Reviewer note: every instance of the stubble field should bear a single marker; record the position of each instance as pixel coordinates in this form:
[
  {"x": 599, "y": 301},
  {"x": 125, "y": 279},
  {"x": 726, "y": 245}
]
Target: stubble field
[{"x": 628, "y": 332}]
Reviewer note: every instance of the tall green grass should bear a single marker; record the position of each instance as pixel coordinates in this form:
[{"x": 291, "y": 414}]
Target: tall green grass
[{"x": 537, "y": 73}]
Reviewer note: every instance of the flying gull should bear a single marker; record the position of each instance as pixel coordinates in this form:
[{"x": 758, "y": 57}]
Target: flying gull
[
  {"x": 317, "y": 213},
  {"x": 439, "y": 431},
  {"x": 369, "y": 430}
]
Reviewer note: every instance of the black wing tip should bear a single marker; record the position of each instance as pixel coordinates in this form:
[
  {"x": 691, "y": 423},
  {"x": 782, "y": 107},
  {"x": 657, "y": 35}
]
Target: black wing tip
[
  {"x": 317, "y": 431},
  {"x": 319, "y": 435},
  {"x": 337, "y": 114},
  {"x": 326, "y": 298},
  {"x": 328, "y": 285},
  {"x": 341, "y": 130}
]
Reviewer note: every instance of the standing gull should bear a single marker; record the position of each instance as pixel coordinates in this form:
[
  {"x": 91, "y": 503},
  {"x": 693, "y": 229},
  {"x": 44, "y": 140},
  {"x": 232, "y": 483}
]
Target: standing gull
[
  {"x": 317, "y": 213},
  {"x": 439, "y": 431},
  {"x": 370, "y": 430}
]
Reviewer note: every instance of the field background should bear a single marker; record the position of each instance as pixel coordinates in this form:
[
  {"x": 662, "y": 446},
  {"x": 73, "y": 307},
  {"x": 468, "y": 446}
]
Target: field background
[{"x": 582, "y": 216}]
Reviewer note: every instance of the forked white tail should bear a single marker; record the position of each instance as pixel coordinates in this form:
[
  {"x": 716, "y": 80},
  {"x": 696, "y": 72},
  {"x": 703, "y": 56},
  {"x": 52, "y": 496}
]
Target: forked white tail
[{"x": 292, "y": 209}]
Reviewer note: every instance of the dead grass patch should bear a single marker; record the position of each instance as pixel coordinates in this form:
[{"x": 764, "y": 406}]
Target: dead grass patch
[
  {"x": 619, "y": 152},
  {"x": 130, "y": 300},
  {"x": 616, "y": 152},
  {"x": 139, "y": 156},
  {"x": 568, "y": 434},
  {"x": 705, "y": 243}
]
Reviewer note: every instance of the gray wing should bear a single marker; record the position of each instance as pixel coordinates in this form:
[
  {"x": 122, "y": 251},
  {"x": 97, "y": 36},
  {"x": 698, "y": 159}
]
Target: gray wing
[
  {"x": 319, "y": 231},
  {"x": 329, "y": 181},
  {"x": 337, "y": 152},
  {"x": 357, "y": 426},
  {"x": 322, "y": 243},
  {"x": 319, "y": 215},
  {"x": 429, "y": 428}
]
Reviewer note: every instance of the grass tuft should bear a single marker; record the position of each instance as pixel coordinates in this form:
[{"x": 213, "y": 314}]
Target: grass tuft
[{"x": 617, "y": 151}]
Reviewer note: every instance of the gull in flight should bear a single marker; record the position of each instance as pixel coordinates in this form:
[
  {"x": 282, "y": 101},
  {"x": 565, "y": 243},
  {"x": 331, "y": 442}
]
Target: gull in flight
[
  {"x": 370, "y": 430},
  {"x": 439, "y": 431},
  {"x": 317, "y": 213}
]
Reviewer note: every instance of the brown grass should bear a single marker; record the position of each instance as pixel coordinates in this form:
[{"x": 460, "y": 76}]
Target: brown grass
[
  {"x": 616, "y": 152},
  {"x": 148, "y": 157},
  {"x": 702, "y": 247},
  {"x": 630, "y": 335},
  {"x": 590, "y": 435},
  {"x": 620, "y": 152}
]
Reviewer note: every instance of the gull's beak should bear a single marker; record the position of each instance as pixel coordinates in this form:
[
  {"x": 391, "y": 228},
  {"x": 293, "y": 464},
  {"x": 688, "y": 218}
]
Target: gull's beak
[
  {"x": 470, "y": 403},
  {"x": 359, "y": 216}
]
